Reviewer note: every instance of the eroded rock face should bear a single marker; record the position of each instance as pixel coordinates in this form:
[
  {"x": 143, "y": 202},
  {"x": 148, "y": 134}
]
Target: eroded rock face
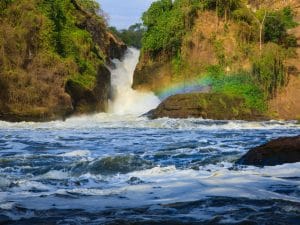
[
  {"x": 275, "y": 152},
  {"x": 204, "y": 105},
  {"x": 85, "y": 100},
  {"x": 40, "y": 79}
]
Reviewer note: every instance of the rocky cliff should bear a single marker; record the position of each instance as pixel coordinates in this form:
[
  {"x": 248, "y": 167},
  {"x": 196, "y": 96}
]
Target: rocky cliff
[
  {"x": 222, "y": 43},
  {"x": 286, "y": 104},
  {"x": 53, "y": 60},
  {"x": 206, "y": 106}
]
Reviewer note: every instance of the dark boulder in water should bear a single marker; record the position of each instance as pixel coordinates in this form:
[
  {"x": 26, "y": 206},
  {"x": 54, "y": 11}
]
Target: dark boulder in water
[{"x": 276, "y": 152}]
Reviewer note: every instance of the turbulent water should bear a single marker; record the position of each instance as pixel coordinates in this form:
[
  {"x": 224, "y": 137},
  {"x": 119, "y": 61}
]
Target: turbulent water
[
  {"x": 125, "y": 169},
  {"x": 125, "y": 99}
]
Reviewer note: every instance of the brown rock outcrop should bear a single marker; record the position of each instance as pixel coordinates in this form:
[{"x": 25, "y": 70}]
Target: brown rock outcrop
[{"x": 275, "y": 152}]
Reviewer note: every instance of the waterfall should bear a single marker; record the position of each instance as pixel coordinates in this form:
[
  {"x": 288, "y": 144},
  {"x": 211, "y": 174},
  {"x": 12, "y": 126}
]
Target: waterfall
[{"x": 125, "y": 100}]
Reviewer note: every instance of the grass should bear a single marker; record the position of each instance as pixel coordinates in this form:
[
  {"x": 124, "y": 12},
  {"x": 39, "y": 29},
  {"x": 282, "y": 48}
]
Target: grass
[{"x": 237, "y": 85}]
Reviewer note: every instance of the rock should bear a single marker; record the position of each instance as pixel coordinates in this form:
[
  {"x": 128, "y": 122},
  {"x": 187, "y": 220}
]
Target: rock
[
  {"x": 42, "y": 79},
  {"x": 85, "y": 100},
  {"x": 108, "y": 43},
  {"x": 204, "y": 105},
  {"x": 275, "y": 152}
]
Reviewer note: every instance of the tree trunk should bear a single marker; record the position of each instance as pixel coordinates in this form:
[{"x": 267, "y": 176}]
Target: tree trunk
[
  {"x": 217, "y": 12},
  {"x": 261, "y": 27}
]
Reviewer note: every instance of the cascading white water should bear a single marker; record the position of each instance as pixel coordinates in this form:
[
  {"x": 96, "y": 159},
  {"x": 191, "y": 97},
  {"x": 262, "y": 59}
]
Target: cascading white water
[{"x": 125, "y": 100}]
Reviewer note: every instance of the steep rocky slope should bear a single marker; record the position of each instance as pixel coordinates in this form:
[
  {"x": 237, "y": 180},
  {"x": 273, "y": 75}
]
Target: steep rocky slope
[
  {"x": 53, "y": 59},
  {"x": 225, "y": 47},
  {"x": 286, "y": 104},
  {"x": 199, "y": 49}
]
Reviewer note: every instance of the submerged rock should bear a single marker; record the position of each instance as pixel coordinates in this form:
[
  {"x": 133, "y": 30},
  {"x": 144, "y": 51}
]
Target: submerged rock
[
  {"x": 275, "y": 152},
  {"x": 204, "y": 105}
]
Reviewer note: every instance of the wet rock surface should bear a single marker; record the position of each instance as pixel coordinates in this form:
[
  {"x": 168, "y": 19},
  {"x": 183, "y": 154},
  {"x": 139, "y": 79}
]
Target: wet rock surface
[
  {"x": 206, "y": 106},
  {"x": 276, "y": 152}
]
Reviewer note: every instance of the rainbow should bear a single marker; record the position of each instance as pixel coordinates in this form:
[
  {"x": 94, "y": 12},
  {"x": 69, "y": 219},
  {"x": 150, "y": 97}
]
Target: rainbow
[{"x": 196, "y": 85}]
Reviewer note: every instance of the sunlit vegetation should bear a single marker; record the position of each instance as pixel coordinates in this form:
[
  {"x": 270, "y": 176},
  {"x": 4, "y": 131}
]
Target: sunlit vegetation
[
  {"x": 43, "y": 44},
  {"x": 261, "y": 35}
]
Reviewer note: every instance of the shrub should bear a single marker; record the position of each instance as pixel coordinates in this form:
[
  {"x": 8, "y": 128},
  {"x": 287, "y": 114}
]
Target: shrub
[
  {"x": 276, "y": 25},
  {"x": 90, "y": 5},
  {"x": 269, "y": 69},
  {"x": 241, "y": 85},
  {"x": 131, "y": 36},
  {"x": 166, "y": 23}
]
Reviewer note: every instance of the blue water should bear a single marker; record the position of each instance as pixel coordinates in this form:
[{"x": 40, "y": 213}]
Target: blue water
[
  {"x": 109, "y": 169},
  {"x": 124, "y": 169}
]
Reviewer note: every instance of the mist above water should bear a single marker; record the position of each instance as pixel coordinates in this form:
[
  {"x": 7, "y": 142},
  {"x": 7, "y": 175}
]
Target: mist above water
[{"x": 125, "y": 100}]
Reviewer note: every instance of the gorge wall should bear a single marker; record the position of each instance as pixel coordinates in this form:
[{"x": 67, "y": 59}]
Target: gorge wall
[
  {"x": 53, "y": 59},
  {"x": 223, "y": 45}
]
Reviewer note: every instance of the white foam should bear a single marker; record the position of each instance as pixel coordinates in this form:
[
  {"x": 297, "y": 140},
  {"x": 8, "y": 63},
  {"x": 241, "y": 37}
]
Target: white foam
[
  {"x": 113, "y": 120},
  {"x": 77, "y": 153},
  {"x": 125, "y": 99},
  {"x": 54, "y": 175},
  {"x": 7, "y": 206}
]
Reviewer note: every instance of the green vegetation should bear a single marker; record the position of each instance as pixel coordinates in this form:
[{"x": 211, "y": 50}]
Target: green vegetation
[
  {"x": 53, "y": 25},
  {"x": 259, "y": 38},
  {"x": 276, "y": 25},
  {"x": 269, "y": 69},
  {"x": 131, "y": 36},
  {"x": 239, "y": 85},
  {"x": 168, "y": 21},
  {"x": 90, "y": 6},
  {"x": 70, "y": 41},
  {"x": 220, "y": 106},
  {"x": 44, "y": 44},
  {"x": 166, "y": 24}
]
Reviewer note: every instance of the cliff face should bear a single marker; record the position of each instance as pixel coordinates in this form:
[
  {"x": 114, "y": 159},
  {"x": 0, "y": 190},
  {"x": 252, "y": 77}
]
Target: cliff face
[
  {"x": 53, "y": 60},
  {"x": 286, "y": 105},
  {"x": 222, "y": 43},
  {"x": 207, "y": 43}
]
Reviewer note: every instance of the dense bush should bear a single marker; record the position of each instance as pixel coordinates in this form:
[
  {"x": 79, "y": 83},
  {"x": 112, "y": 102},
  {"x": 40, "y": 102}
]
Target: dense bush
[
  {"x": 165, "y": 27},
  {"x": 269, "y": 69},
  {"x": 70, "y": 41},
  {"x": 276, "y": 25},
  {"x": 90, "y": 5},
  {"x": 166, "y": 23},
  {"x": 241, "y": 84},
  {"x": 42, "y": 46},
  {"x": 131, "y": 36}
]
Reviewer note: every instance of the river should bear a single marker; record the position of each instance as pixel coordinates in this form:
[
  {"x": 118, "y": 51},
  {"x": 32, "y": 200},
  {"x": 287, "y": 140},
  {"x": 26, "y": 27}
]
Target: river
[{"x": 120, "y": 168}]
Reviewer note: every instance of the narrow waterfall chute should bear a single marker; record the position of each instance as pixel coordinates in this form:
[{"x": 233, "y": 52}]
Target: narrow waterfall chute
[{"x": 125, "y": 100}]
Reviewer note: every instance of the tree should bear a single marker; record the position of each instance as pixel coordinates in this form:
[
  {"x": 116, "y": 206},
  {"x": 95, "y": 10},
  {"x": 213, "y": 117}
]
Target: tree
[
  {"x": 261, "y": 22},
  {"x": 131, "y": 36},
  {"x": 4, "y": 4},
  {"x": 90, "y": 5},
  {"x": 158, "y": 8}
]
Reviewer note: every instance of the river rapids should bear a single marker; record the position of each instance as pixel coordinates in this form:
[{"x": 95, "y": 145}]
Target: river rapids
[{"x": 120, "y": 168}]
